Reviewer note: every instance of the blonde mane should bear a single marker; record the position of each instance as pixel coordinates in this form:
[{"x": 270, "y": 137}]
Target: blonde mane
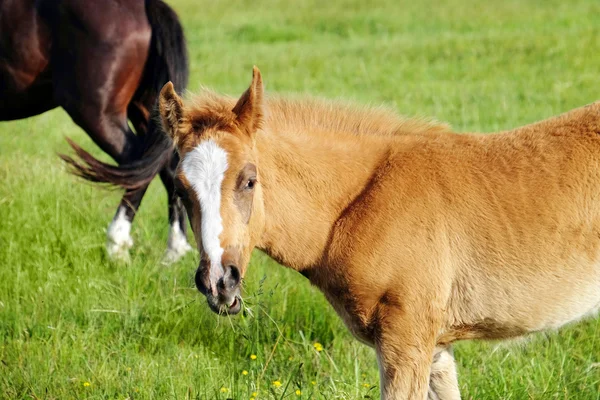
[{"x": 313, "y": 114}]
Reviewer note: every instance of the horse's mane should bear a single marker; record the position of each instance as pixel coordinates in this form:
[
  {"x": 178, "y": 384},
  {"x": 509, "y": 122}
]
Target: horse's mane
[{"x": 313, "y": 114}]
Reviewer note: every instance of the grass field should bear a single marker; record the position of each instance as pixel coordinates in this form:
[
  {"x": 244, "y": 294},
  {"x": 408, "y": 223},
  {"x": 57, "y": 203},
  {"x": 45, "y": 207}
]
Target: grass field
[{"x": 75, "y": 325}]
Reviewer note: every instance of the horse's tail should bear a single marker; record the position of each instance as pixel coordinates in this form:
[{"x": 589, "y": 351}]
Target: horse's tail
[{"x": 167, "y": 61}]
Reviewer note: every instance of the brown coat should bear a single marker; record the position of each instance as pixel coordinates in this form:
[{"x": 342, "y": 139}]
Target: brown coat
[{"x": 418, "y": 236}]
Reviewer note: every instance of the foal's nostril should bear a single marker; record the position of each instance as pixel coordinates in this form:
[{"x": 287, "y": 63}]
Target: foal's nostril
[
  {"x": 201, "y": 280},
  {"x": 231, "y": 279}
]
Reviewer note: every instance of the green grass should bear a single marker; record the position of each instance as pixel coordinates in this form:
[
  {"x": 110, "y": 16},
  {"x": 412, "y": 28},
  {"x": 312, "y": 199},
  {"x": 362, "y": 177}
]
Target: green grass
[{"x": 69, "y": 316}]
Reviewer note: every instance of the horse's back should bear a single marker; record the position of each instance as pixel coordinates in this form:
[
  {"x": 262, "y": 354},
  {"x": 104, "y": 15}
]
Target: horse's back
[{"x": 107, "y": 22}]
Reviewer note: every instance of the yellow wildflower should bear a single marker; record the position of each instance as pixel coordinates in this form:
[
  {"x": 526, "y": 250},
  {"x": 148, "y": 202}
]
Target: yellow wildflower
[
  {"x": 366, "y": 385},
  {"x": 298, "y": 392},
  {"x": 253, "y": 357},
  {"x": 86, "y": 384},
  {"x": 224, "y": 390},
  {"x": 244, "y": 372},
  {"x": 318, "y": 346},
  {"x": 254, "y": 394},
  {"x": 276, "y": 384}
]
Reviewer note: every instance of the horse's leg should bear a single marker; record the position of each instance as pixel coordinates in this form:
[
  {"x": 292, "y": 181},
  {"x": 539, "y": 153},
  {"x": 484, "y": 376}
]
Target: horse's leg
[
  {"x": 111, "y": 132},
  {"x": 177, "y": 243},
  {"x": 118, "y": 233},
  {"x": 96, "y": 71},
  {"x": 113, "y": 135},
  {"x": 443, "y": 381},
  {"x": 405, "y": 344}
]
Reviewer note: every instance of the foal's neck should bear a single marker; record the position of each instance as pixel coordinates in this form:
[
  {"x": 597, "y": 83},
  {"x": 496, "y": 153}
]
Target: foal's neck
[{"x": 309, "y": 178}]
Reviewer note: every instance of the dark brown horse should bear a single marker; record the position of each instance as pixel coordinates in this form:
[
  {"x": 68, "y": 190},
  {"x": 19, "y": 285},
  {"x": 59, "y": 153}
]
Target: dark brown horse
[{"x": 104, "y": 62}]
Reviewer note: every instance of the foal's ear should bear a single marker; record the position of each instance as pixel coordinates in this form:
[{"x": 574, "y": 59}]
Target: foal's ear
[
  {"x": 249, "y": 108},
  {"x": 170, "y": 108}
]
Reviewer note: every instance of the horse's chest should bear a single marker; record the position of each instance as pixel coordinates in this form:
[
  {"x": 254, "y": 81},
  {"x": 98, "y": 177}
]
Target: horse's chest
[
  {"x": 347, "y": 310},
  {"x": 349, "y": 307}
]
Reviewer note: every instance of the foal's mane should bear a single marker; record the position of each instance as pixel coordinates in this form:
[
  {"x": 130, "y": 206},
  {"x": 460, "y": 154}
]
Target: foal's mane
[{"x": 212, "y": 109}]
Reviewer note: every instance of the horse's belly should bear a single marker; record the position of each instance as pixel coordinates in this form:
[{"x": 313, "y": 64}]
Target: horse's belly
[
  {"x": 581, "y": 303},
  {"x": 558, "y": 291},
  {"x": 496, "y": 305}
]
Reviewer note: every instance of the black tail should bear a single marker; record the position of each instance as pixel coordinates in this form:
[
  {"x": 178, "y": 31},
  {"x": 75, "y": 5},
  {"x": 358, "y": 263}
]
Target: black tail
[{"x": 167, "y": 61}]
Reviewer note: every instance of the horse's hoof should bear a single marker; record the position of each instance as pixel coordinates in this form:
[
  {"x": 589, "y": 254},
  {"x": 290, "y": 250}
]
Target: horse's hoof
[
  {"x": 177, "y": 245},
  {"x": 119, "y": 252},
  {"x": 174, "y": 254},
  {"x": 118, "y": 238}
]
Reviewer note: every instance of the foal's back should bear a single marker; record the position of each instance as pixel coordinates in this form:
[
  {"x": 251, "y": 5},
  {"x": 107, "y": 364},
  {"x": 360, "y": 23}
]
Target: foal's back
[{"x": 512, "y": 221}]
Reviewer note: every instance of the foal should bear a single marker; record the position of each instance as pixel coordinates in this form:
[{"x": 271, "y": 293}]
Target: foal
[{"x": 418, "y": 236}]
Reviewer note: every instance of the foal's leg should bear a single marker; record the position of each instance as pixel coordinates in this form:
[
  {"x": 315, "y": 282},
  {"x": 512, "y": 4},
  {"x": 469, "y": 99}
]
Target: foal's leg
[
  {"x": 405, "y": 346},
  {"x": 443, "y": 382},
  {"x": 177, "y": 243}
]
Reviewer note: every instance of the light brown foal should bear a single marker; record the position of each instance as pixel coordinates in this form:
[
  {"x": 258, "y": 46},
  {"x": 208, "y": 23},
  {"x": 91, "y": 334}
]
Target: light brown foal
[{"x": 418, "y": 236}]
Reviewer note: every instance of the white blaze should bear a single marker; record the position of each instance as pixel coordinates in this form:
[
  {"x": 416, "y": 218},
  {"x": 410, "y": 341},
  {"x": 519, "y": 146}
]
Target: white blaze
[{"x": 204, "y": 167}]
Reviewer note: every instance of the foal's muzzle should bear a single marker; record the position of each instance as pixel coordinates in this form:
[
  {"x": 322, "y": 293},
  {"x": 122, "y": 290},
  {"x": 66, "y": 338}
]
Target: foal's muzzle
[{"x": 227, "y": 299}]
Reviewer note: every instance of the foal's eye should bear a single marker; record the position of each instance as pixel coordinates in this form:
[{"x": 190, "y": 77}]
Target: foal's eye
[{"x": 250, "y": 184}]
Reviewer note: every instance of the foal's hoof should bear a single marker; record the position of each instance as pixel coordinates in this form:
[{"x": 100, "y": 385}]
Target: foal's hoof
[{"x": 174, "y": 254}]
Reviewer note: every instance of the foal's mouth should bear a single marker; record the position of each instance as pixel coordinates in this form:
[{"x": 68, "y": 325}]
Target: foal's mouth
[
  {"x": 223, "y": 297},
  {"x": 224, "y": 307}
]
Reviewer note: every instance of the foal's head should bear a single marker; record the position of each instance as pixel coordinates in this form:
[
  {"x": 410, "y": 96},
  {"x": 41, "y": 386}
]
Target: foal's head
[{"x": 218, "y": 180}]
